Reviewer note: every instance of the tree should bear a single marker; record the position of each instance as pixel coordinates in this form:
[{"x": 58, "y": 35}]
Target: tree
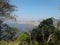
[
  {"x": 8, "y": 33},
  {"x": 6, "y": 10},
  {"x": 44, "y": 31}
]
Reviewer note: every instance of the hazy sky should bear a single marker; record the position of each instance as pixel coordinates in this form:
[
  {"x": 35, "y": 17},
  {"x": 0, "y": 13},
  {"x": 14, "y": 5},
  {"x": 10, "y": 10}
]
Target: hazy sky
[{"x": 37, "y": 9}]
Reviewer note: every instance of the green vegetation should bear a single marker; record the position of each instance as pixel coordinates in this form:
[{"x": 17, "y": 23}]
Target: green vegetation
[{"x": 44, "y": 34}]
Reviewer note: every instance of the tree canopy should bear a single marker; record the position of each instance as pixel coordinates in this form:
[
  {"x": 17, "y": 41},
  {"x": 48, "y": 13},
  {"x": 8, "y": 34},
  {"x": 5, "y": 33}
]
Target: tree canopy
[
  {"x": 45, "y": 32},
  {"x": 6, "y": 10}
]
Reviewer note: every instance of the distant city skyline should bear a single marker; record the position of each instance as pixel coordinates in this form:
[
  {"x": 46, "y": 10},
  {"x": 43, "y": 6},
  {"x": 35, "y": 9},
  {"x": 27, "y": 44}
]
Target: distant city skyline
[{"x": 37, "y": 9}]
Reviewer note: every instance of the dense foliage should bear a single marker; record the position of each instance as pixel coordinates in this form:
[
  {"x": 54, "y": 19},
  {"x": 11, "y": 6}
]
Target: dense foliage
[
  {"x": 44, "y": 34},
  {"x": 6, "y": 9}
]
